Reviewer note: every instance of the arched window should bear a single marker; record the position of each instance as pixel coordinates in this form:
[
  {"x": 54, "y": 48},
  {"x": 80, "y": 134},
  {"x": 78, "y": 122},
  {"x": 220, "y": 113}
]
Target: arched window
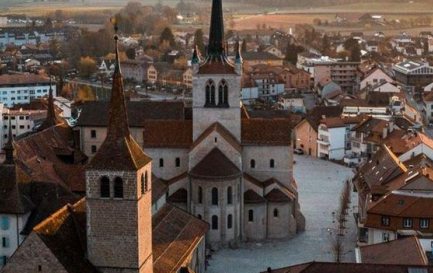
[
  {"x": 210, "y": 93},
  {"x": 105, "y": 187},
  {"x": 144, "y": 183},
  {"x": 229, "y": 195},
  {"x": 229, "y": 221},
  {"x": 250, "y": 215},
  {"x": 214, "y": 222},
  {"x": 118, "y": 187},
  {"x": 223, "y": 91},
  {"x": 199, "y": 216},
  {"x": 272, "y": 163},
  {"x": 276, "y": 213},
  {"x": 252, "y": 163},
  {"x": 161, "y": 162},
  {"x": 200, "y": 195},
  {"x": 214, "y": 196}
]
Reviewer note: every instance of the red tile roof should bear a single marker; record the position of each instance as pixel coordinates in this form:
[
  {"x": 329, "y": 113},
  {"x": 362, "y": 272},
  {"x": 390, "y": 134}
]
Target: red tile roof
[
  {"x": 268, "y": 132},
  {"x": 402, "y": 205},
  {"x": 251, "y": 197},
  {"x": 167, "y": 133},
  {"x": 217, "y": 127},
  {"x": 215, "y": 165},
  {"x": 407, "y": 251}
]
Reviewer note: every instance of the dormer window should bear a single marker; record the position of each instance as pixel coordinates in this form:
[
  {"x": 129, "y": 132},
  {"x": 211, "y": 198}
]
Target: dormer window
[
  {"x": 118, "y": 187},
  {"x": 223, "y": 91},
  {"x": 210, "y": 94},
  {"x": 105, "y": 187}
]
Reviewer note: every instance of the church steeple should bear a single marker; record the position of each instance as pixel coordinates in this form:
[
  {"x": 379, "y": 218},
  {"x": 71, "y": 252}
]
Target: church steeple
[
  {"x": 9, "y": 147},
  {"x": 51, "y": 119},
  {"x": 216, "y": 32},
  {"x": 119, "y": 150},
  {"x": 119, "y": 194}
]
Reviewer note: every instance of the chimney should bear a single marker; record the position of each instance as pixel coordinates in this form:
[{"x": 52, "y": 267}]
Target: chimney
[{"x": 269, "y": 270}]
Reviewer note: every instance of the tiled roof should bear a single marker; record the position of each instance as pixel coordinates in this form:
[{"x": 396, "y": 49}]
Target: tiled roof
[
  {"x": 376, "y": 172},
  {"x": 167, "y": 133},
  {"x": 251, "y": 197},
  {"x": 159, "y": 188},
  {"x": 277, "y": 196},
  {"x": 263, "y": 55},
  {"x": 64, "y": 234},
  {"x": 216, "y": 68},
  {"x": 273, "y": 132},
  {"x": 175, "y": 235},
  {"x": 215, "y": 165},
  {"x": 327, "y": 267},
  {"x": 49, "y": 156},
  {"x": 96, "y": 113},
  {"x": 217, "y": 127},
  {"x": 12, "y": 200},
  {"x": 335, "y": 122},
  {"x": 23, "y": 79},
  {"x": 407, "y": 251},
  {"x": 180, "y": 196},
  {"x": 401, "y": 142},
  {"x": 402, "y": 205},
  {"x": 317, "y": 113}
]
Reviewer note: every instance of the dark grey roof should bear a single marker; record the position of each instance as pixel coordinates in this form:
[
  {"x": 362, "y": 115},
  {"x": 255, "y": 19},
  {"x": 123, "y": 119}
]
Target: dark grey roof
[{"x": 96, "y": 113}]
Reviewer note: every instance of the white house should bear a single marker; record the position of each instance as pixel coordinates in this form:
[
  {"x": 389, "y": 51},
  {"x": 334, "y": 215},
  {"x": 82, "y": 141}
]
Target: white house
[
  {"x": 373, "y": 77},
  {"x": 428, "y": 88},
  {"x": 293, "y": 102},
  {"x": 333, "y": 137},
  {"x": 21, "y": 121}
]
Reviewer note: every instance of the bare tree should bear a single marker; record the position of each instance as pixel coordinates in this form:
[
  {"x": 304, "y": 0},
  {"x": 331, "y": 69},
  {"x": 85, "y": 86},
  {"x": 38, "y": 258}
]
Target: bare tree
[{"x": 340, "y": 219}]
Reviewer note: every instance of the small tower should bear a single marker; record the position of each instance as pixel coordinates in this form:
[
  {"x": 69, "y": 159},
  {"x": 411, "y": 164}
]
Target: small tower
[
  {"x": 195, "y": 61},
  {"x": 118, "y": 194},
  {"x": 51, "y": 119},
  {"x": 217, "y": 83}
]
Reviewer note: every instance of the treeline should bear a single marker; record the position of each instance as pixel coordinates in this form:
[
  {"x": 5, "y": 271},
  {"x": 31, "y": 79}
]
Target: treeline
[{"x": 282, "y": 3}]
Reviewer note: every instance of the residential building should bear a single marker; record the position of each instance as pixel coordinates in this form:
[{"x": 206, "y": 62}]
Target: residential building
[
  {"x": 292, "y": 102},
  {"x": 413, "y": 75},
  {"x": 135, "y": 70},
  {"x": 345, "y": 74},
  {"x": 333, "y": 137},
  {"x": 22, "y": 88},
  {"x": 305, "y": 132},
  {"x": 374, "y": 77}
]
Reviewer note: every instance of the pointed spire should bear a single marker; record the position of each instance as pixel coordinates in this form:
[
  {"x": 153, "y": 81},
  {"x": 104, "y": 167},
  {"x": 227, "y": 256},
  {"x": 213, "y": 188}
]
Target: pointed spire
[
  {"x": 118, "y": 119},
  {"x": 195, "y": 59},
  {"x": 216, "y": 32},
  {"x": 9, "y": 147},
  {"x": 51, "y": 119},
  {"x": 119, "y": 151}
]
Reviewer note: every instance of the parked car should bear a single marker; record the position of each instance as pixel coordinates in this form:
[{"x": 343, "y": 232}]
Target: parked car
[{"x": 298, "y": 151}]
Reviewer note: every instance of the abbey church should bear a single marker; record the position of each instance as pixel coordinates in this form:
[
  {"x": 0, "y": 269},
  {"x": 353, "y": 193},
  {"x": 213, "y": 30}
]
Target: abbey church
[{"x": 164, "y": 182}]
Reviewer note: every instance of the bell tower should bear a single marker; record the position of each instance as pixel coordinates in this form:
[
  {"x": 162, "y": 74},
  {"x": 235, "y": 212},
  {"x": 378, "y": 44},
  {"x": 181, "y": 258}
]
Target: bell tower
[
  {"x": 216, "y": 82},
  {"x": 118, "y": 195}
]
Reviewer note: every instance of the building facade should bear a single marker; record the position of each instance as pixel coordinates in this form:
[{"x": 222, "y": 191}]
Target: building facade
[{"x": 22, "y": 88}]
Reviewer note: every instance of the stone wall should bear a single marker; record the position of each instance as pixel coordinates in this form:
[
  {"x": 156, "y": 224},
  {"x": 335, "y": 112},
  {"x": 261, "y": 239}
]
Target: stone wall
[
  {"x": 283, "y": 159},
  {"x": 223, "y": 236},
  {"x": 119, "y": 229}
]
